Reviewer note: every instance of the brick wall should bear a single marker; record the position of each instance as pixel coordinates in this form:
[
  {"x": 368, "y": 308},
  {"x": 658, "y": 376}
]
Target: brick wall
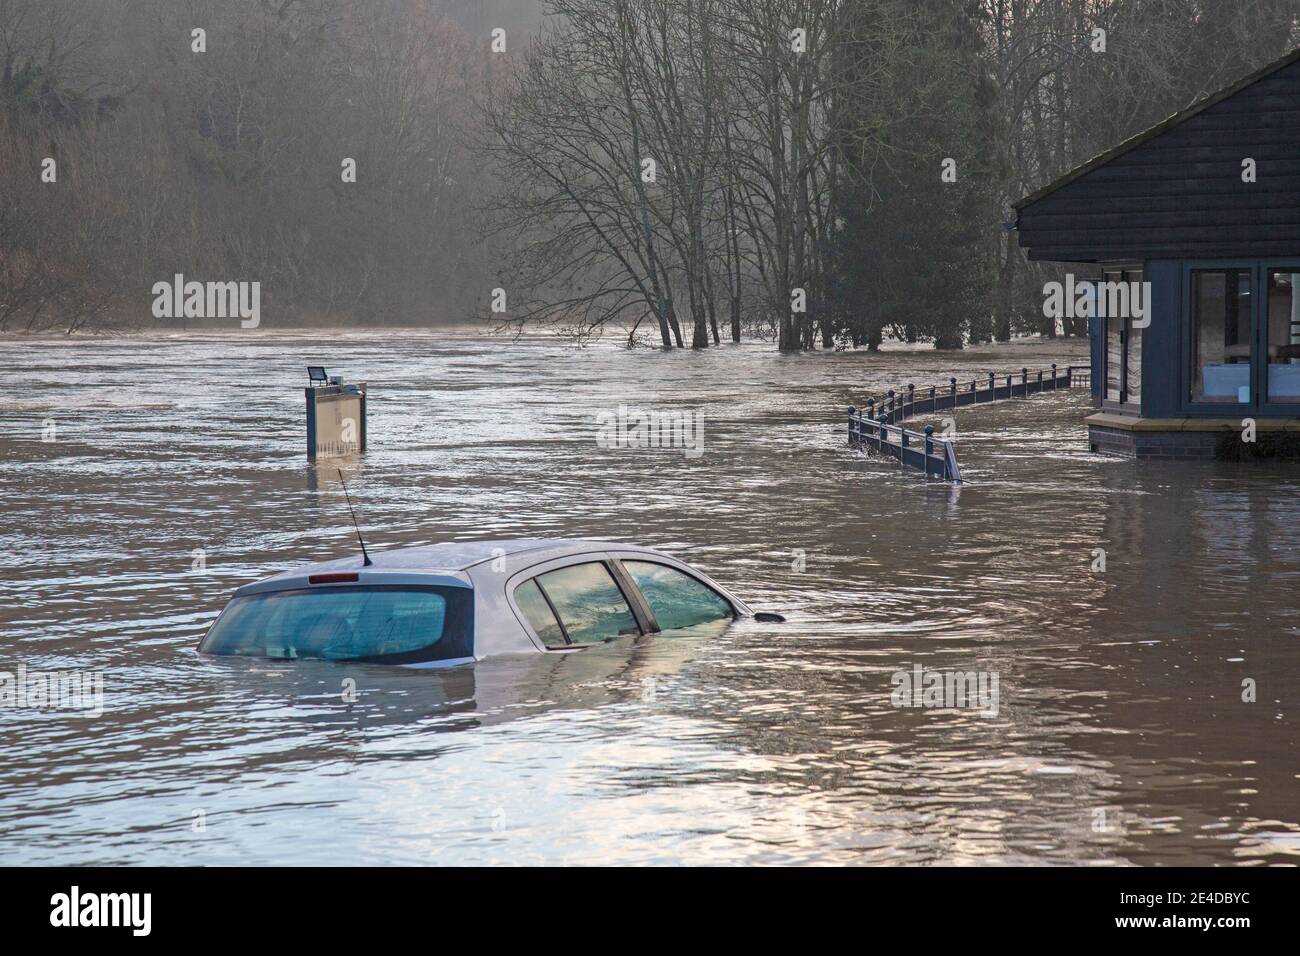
[{"x": 1168, "y": 446}]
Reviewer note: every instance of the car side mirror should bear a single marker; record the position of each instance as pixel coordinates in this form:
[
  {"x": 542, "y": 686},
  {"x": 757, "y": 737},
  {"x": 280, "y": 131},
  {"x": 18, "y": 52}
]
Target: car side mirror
[{"x": 767, "y": 617}]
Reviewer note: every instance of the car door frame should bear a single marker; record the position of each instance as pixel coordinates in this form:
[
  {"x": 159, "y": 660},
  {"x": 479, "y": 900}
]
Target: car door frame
[
  {"x": 622, "y": 580},
  {"x": 738, "y": 607},
  {"x": 613, "y": 561}
]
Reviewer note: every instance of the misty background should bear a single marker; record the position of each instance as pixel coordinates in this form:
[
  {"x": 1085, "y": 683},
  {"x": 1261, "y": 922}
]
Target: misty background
[{"x": 671, "y": 170}]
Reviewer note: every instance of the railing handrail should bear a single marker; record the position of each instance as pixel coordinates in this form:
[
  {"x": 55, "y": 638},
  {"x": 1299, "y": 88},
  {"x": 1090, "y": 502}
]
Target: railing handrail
[
  {"x": 873, "y": 423},
  {"x": 895, "y": 397},
  {"x": 938, "y": 453}
]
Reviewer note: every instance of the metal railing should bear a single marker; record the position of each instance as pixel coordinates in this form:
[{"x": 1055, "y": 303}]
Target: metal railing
[
  {"x": 911, "y": 401},
  {"x": 874, "y": 423},
  {"x": 934, "y": 456}
]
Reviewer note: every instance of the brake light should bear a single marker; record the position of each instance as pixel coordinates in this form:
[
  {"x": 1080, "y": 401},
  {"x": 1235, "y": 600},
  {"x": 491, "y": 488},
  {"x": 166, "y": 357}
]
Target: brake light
[{"x": 342, "y": 577}]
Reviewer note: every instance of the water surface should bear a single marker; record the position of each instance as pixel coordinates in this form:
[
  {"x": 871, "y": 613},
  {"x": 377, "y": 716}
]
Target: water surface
[{"x": 1121, "y": 736}]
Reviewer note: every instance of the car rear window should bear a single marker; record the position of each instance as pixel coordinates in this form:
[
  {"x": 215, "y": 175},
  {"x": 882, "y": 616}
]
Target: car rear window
[
  {"x": 388, "y": 624},
  {"x": 676, "y": 598}
]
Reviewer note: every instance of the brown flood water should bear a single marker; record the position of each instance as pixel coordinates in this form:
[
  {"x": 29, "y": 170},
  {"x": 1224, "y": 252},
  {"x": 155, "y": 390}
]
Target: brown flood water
[{"x": 1120, "y": 737}]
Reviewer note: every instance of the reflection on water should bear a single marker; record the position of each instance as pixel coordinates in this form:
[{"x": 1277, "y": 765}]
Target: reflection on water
[{"x": 177, "y": 472}]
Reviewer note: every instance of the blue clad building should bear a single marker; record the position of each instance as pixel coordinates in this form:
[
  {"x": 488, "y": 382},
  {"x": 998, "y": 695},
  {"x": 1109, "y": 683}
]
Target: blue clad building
[{"x": 1204, "y": 209}]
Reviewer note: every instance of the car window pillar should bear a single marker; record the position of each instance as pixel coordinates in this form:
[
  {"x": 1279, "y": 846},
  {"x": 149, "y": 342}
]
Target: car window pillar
[
  {"x": 564, "y": 631},
  {"x": 635, "y": 599}
]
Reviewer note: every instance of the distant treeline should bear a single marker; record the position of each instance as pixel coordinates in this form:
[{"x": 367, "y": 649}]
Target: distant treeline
[
  {"x": 830, "y": 171},
  {"x": 227, "y": 164},
  {"x": 824, "y": 172}
]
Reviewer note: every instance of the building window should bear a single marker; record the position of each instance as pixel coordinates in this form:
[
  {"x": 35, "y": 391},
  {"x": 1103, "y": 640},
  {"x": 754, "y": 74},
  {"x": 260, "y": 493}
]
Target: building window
[
  {"x": 1283, "y": 336},
  {"x": 1114, "y": 343},
  {"x": 1220, "y": 307},
  {"x": 1123, "y": 341},
  {"x": 1133, "y": 339}
]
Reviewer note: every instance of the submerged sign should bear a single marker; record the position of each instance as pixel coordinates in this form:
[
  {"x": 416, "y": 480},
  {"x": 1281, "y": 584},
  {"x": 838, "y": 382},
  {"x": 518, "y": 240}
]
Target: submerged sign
[{"x": 336, "y": 420}]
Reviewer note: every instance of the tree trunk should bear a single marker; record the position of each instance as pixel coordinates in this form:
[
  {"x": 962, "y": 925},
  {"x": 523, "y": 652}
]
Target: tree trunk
[
  {"x": 699, "y": 330},
  {"x": 785, "y": 340},
  {"x": 874, "y": 338},
  {"x": 672, "y": 322},
  {"x": 1006, "y": 290},
  {"x": 663, "y": 329}
]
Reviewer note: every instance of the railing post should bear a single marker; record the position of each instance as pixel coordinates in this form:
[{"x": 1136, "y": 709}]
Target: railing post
[
  {"x": 1055, "y": 383},
  {"x": 1040, "y": 380},
  {"x": 993, "y": 388},
  {"x": 1024, "y": 381},
  {"x": 952, "y": 380},
  {"x": 1069, "y": 376},
  {"x": 937, "y": 458},
  {"x": 911, "y": 399}
]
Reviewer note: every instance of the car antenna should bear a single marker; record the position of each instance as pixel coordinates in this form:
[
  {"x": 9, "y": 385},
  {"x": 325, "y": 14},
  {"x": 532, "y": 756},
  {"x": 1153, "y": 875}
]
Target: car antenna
[{"x": 366, "y": 562}]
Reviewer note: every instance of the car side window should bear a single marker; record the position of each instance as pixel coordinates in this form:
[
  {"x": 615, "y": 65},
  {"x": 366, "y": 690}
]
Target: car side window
[
  {"x": 676, "y": 598},
  {"x": 538, "y": 614},
  {"x": 589, "y": 602}
]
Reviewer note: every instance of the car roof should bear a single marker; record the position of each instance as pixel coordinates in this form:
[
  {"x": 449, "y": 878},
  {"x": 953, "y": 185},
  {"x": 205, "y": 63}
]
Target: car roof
[
  {"x": 462, "y": 555},
  {"x": 451, "y": 565}
]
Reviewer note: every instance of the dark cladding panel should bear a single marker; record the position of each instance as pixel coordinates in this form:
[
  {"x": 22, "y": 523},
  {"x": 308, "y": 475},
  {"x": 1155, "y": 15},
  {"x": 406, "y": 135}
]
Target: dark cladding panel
[
  {"x": 1178, "y": 192},
  {"x": 1162, "y": 343}
]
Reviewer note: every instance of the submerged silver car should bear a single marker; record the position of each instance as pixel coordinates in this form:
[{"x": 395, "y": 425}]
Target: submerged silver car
[{"x": 449, "y": 604}]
